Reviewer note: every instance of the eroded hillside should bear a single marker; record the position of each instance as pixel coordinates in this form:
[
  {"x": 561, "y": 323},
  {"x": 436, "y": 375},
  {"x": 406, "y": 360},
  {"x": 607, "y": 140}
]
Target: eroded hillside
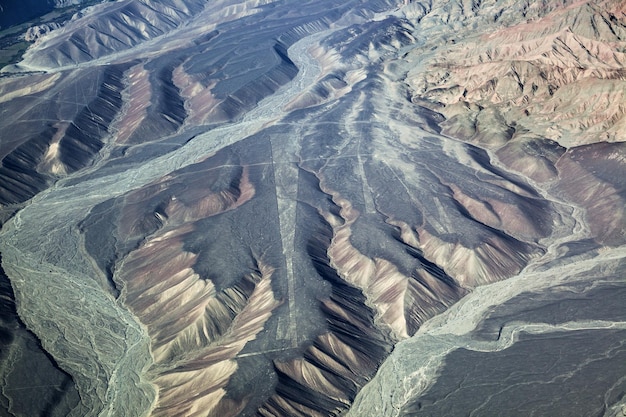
[{"x": 263, "y": 208}]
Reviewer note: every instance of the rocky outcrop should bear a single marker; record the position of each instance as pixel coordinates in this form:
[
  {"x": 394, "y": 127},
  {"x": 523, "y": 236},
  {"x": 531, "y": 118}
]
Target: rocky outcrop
[
  {"x": 34, "y": 33},
  {"x": 556, "y": 76}
]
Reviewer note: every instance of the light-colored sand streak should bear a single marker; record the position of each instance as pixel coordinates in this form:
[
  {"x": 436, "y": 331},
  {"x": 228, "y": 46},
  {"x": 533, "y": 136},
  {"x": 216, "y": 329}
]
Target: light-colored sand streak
[
  {"x": 286, "y": 182},
  {"x": 351, "y": 126}
]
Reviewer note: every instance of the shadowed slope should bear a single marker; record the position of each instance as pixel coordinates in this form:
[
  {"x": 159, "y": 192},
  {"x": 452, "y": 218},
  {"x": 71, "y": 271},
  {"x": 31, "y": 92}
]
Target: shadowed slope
[
  {"x": 196, "y": 330},
  {"x": 47, "y": 148}
]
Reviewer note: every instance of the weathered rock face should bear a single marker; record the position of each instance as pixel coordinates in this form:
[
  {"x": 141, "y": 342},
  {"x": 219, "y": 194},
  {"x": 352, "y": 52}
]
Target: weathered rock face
[
  {"x": 34, "y": 33},
  {"x": 534, "y": 92},
  {"x": 558, "y": 76},
  {"x": 278, "y": 208}
]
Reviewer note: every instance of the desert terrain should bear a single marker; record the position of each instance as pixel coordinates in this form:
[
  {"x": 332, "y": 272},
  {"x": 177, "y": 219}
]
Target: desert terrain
[{"x": 315, "y": 208}]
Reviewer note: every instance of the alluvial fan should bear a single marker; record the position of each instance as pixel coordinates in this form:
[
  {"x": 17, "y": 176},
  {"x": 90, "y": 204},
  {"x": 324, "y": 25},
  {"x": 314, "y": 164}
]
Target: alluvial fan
[{"x": 315, "y": 208}]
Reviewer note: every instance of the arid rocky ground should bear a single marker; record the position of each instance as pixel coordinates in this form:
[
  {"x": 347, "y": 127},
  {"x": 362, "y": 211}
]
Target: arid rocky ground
[{"x": 316, "y": 208}]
